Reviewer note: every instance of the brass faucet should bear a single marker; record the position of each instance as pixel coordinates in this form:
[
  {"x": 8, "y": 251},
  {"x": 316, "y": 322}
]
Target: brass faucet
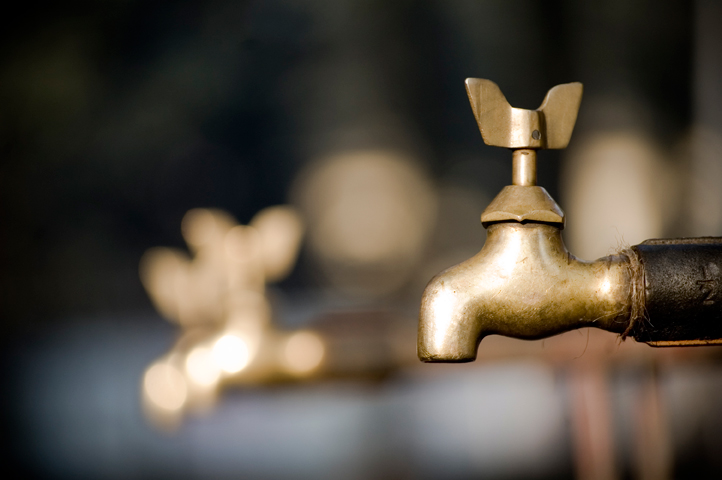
[{"x": 524, "y": 283}]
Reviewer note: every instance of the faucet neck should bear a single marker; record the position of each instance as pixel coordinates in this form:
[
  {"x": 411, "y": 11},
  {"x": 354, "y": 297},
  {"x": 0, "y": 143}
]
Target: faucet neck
[
  {"x": 524, "y": 200},
  {"x": 524, "y": 167}
]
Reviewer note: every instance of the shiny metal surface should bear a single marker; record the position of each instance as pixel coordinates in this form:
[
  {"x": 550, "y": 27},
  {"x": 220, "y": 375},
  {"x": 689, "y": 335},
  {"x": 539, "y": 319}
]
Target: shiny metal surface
[
  {"x": 501, "y": 125},
  {"x": 521, "y": 204},
  {"x": 523, "y": 170},
  {"x": 524, "y": 284}
]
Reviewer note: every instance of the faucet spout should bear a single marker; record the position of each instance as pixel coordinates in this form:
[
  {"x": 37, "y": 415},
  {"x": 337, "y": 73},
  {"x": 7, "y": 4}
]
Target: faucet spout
[{"x": 523, "y": 283}]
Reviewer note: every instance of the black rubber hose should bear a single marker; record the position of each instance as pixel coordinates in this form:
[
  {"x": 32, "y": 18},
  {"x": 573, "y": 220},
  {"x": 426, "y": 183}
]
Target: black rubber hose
[{"x": 682, "y": 284}]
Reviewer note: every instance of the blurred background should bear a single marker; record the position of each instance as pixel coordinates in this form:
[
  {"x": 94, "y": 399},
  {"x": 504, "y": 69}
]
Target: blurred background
[{"x": 116, "y": 118}]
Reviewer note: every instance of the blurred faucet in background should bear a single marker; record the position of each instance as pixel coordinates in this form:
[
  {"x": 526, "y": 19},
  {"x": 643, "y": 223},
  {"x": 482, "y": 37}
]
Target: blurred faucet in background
[{"x": 218, "y": 298}]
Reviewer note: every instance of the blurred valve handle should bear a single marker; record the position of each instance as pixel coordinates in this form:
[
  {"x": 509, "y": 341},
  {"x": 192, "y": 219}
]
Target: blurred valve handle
[
  {"x": 218, "y": 297},
  {"x": 230, "y": 267}
]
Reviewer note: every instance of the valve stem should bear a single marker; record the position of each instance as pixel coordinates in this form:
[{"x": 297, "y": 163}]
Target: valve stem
[{"x": 524, "y": 167}]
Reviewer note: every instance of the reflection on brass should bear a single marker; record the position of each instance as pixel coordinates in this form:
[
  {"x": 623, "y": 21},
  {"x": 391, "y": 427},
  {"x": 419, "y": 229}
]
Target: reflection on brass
[
  {"x": 524, "y": 283},
  {"x": 524, "y": 167}
]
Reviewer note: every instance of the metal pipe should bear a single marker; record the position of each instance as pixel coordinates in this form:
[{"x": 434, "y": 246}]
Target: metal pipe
[
  {"x": 524, "y": 167},
  {"x": 680, "y": 292}
]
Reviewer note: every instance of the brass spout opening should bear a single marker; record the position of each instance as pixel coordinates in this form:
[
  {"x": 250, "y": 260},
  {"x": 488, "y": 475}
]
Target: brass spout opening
[{"x": 524, "y": 167}]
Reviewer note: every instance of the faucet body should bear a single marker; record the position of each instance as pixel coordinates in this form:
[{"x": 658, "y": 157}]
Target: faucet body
[{"x": 523, "y": 283}]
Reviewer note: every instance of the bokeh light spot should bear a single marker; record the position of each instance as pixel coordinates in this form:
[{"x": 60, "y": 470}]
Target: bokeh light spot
[
  {"x": 202, "y": 368},
  {"x": 231, "y": 353},
  {"x": 303, "y": 352},
  {"x": 165, "y": 387}
]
